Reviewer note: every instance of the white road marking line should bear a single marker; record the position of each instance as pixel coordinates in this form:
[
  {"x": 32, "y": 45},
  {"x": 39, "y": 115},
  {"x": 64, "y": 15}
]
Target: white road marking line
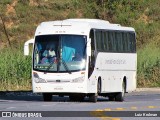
[
  {"x": 157, "y": 99},
  {"x": 11, "y": 108},
  {"x": 46, "y": 105}
]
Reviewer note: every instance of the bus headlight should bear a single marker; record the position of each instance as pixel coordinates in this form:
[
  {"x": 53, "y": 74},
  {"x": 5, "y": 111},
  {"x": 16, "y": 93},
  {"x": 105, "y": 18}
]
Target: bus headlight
[
  {"x": 82, "y": 65},
  {"x": 37, "y": 79},
  {"x": 79, "y": 79}
]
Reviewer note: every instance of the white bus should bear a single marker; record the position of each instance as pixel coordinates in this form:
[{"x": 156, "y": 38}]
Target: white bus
[{"x": 83, "y": 57}]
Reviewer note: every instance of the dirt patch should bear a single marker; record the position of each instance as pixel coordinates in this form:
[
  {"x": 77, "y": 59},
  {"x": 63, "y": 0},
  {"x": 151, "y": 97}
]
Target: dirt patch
[
  {"x": 11, "y": 9},
  {"x": 33, "y": 3},
  {"x": 144, "y": 18},
  {"x": 9, "y": 23},
  {"x": 79, "y": 13}
]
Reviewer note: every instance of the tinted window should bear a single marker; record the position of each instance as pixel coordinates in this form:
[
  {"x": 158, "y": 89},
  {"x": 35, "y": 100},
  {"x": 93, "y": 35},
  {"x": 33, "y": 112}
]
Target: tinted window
[{"x": 115, "y": 41}]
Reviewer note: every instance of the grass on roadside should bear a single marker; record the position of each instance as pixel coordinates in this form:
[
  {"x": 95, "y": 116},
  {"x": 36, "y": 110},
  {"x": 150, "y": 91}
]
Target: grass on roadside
[
  {"x": 15, "y": 70},
  {"x": 149, "y": 64}
]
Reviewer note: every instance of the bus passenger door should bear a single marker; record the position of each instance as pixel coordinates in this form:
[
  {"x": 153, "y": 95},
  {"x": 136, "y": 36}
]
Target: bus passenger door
[{"x": 93, "y": 55}]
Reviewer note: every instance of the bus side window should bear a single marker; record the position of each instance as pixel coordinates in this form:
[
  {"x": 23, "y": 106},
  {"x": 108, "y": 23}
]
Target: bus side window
[
  {"x": 132, "y": 43},
  {"x": 38, "y": 53}
]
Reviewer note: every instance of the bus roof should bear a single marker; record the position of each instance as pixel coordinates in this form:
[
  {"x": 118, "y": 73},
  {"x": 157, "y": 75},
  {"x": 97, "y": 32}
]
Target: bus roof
[
  {"x": 100, "y": 24},
  {"x": 78, "y": 25}
]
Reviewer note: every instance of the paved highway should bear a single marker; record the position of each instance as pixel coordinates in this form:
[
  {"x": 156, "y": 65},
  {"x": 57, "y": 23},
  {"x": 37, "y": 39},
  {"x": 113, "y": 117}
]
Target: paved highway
[{"x": 142, "y": 104}]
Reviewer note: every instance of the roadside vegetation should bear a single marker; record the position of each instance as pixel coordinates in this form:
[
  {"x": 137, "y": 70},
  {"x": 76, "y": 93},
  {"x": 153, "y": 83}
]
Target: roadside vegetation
[
  {"x": 15, "y": 70},
  {"x": 19, "y": 19},
  {"x": 149, "y": 64}
]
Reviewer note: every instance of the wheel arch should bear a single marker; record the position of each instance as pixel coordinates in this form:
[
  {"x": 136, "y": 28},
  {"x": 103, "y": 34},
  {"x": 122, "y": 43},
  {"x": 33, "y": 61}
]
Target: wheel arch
[{"x": 99, "y": 81}]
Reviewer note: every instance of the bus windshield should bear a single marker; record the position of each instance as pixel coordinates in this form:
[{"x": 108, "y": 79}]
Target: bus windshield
[{"x": 59, "y": 53}]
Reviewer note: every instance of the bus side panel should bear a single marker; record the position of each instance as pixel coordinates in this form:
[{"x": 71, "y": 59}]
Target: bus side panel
[
  {"x": 111, "y": 81},
  {"x": 113, "y": 68}
]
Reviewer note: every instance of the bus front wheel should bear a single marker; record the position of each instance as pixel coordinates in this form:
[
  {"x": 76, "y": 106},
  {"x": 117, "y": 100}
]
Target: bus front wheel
[
  {"x": 111, "y": 98},
  {"x": 47, "y": 97},
  {"x": 93, "y": 97},
  {"x": 76, "y": 97}
]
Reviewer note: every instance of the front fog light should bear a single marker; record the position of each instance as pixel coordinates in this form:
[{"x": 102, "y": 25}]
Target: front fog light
[
  {"x": 39, "y": 80},
  {"x": 79, "y": 79}
]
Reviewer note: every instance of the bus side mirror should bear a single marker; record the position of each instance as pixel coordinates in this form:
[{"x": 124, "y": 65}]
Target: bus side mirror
[
  {"x": 26, "y": 46},
  {"x": 26, "y": 50},
  {"x": 88, "y": 49}
]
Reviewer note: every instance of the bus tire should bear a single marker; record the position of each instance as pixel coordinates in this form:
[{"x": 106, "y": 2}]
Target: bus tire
[
  {"x": 120, "y": 96},
  {"x": 71, "y": 97},
  {"x": 111, "y": 98},
  {"x": 93, "y": 98},
  {"x": 47, "y": 97},
  {"x": 99, "y": 86}
]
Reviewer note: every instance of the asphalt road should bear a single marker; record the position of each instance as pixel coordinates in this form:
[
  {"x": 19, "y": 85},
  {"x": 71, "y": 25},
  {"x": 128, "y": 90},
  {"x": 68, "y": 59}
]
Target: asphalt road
[{"x": 139, "y": 105}]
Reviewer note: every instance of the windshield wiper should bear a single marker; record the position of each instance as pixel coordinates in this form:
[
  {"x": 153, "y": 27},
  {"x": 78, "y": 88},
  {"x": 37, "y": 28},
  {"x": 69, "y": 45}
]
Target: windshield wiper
[
  {"x": 65, "y": 66},
  {"x": 63, "y": 62},
  {"x": 50, "y": 65}
]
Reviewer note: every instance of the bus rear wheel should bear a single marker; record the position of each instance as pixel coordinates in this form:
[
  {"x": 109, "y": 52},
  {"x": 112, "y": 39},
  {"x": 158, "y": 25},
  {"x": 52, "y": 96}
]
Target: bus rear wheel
[
  {"x": 47, "y": 97},
  {"x": 120, "y": 96}
]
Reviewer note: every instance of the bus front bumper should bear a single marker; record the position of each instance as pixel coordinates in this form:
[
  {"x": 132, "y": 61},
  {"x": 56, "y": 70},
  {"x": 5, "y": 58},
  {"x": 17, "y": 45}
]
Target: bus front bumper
[{"x": 59, "y": 88}]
